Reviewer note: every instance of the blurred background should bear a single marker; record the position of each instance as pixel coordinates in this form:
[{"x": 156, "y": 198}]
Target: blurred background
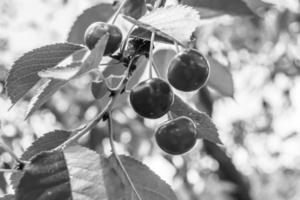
[{"x": 260, "y": 158}]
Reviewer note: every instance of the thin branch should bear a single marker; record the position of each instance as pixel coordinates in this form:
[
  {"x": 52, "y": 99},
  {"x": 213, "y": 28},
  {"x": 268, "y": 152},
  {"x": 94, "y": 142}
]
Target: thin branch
[
  {"x": 88, "y": 127},
  {"x": 118, "y": 11},
  {"x": 114, "y": 152}
]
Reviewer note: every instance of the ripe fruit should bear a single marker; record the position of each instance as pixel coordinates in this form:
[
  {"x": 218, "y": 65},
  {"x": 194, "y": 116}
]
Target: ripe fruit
[
  {"x": 96, "y": 30},
  {"x": 176, "y": 136},
  {"x": 151, "y": 98},
  {"x": 188, "y": 71}
]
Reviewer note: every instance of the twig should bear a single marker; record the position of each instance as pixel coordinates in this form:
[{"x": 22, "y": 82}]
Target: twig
[
  {"x": 118, "y": 12},
  {"x": 114, "y": 152}
]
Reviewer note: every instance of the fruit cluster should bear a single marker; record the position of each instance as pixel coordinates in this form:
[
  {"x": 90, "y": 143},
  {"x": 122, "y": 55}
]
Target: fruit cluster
[{"x": 153, "y": 98}]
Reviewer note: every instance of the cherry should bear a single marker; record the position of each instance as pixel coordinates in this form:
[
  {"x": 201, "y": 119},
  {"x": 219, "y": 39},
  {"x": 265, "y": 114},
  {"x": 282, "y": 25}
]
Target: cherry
[
  {"x": 176, "y": 136},
  {"x": 96, "y": 30},
  {"x": 188, "y": 71},
  {"x": 151, "y": 98}
]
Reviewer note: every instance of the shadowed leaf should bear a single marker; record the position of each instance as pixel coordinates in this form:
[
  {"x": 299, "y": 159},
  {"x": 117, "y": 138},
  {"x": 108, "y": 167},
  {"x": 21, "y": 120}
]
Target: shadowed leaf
[{"x": 205, "y": 127}]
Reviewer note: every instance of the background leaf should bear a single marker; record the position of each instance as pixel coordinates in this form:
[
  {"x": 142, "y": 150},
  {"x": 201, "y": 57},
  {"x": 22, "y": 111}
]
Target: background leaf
[
  {"x": 220, "y": 78},
  {"x": 23, "y": 74},
  {"x": 205, "y": 127},
  {"x": 149, "y": 185},
  {"x": 100, "y": 12},
  {"x": 233, "y": 7},
  {"x": 47, "y": 142}
]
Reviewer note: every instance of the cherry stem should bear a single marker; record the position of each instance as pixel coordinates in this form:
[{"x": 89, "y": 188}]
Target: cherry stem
[
  {"x": 170, "y": 116},
  {"x": 156, "y": 69},
  {"x": 126, "y": 39},
  {"x": 114, "y": 152},
  {"x": 118, "y": 11},
  {"x": 151, "y": 54}
]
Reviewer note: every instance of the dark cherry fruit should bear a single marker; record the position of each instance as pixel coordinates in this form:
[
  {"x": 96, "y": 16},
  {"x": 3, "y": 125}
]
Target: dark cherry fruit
[
  {"x": 151, "y": 98},
  {"x": 97, "y": 30},
  {"x": 176, "y": 136},
  {"x": 188, "y": 71}
]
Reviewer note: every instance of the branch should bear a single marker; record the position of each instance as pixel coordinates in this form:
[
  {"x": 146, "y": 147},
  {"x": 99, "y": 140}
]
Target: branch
[{"x": 114, "y": 152}]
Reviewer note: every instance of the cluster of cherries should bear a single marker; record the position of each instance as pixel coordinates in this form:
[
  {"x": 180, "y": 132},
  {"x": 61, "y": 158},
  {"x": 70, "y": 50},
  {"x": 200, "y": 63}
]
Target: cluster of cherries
[{"x": 153, "y": 98}]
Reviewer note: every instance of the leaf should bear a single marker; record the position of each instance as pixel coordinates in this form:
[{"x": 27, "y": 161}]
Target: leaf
[
  {"x": 23, "y": 74},
  {"x": 85, "y": 173},
  {"x": 52, "y": 85},
  {"x": 8, "y": 197},
  {"x": 162, "y": 58},
  {"x": 177, "y": 22},
  {"x": 47, "y": 142},
  {"x": 46, "y": 177},
  {"x": 99, "y": 89},
  {"x": 205, "y": 127},
  {"x": 64, "y": 73},
  {"x": 148, "y": 184},
  {"x": 100, "y": 12},
  {"x": 233, "y": 7},
  {"x": 220, "y": 78},
  {"x": 74, "y": 173}
]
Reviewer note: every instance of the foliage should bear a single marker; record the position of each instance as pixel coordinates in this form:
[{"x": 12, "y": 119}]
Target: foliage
[{"x": 57, "y": 164}]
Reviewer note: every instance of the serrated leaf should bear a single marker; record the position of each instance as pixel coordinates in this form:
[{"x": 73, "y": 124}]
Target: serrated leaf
[
  {"x": 148, "y": 184},
  {"x": 44, "y": 93},
  {"x": 74, "y": 173},
  {"x": 64, "y": 73},
  {"x": 144, "y": 31},
  {"x": 23, "y": 74},
  {"x": 8, "y": 197},
  {"x": 205, "y": 127},
  {"x": 233, "y": 7},
  {"x": 52, "y": 85},
  {"x": 100, "y": 12},
  {"x": 47, "y": 142},
  {"x": 220, "y": 78},
  {"x": 172, "y": 22}
]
